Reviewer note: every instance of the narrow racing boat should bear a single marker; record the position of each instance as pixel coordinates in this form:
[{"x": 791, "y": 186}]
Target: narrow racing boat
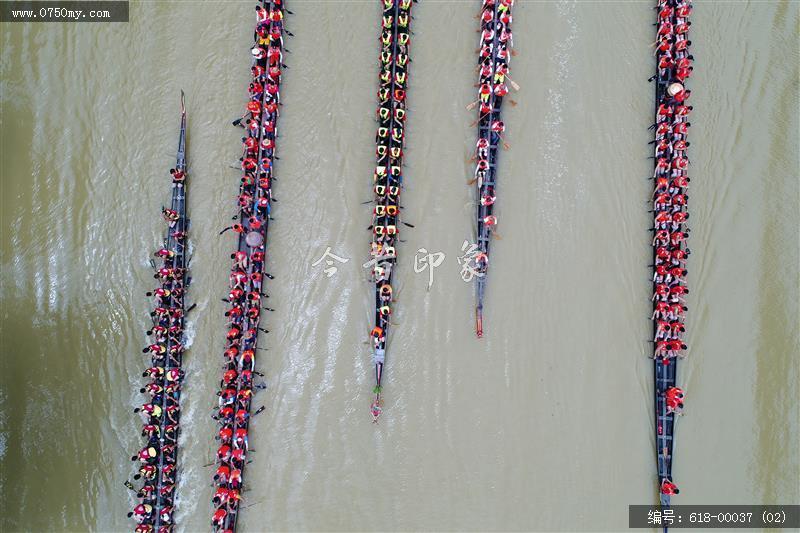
[
  {"x": 247, "y": 275},
  {"x": 161, "y": 413},
  {"x": 493, "y": 62},
  {"x": 388, "y": 176},
  {"x": 670, "y": 213}
]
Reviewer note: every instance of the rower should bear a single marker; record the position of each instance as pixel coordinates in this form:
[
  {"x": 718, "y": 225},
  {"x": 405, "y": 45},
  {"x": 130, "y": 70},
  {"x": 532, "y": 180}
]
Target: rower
[
  {"x": 218, "y": 520},
  {"x": 488, "y": 198},
  {"x": 141, "y": 512},
  {"x": 177, "y": 175},
  {"x": 668, "y": 487}
]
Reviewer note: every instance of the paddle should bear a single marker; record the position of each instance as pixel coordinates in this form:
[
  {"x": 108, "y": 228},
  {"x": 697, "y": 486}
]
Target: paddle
[
  {"x": 512, "y": 82},
  {"x": 506, "y": 146},
  {"x": 252, "y": 504}
]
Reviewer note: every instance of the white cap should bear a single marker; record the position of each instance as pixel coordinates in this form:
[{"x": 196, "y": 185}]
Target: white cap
[{"x": 674, "y": 89}]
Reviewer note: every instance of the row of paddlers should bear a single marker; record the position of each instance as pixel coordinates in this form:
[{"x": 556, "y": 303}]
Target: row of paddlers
[
  {"x": 674, "y": 67},
  {"x": 493, "y": 62},
  {"x": 161, "y": 413},
  {"x": 388, "y": 176},
  {"x": 247, "y": 275}
]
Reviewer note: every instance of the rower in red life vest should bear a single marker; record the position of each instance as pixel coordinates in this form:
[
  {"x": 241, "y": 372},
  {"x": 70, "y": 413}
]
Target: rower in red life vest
[
  {"x": 680, "y": 163},
  {"x": 250, "y": 144},
  {"x": 228, "y": 377},
  {"x": 680, "y": 146},
  {"x": 676, "y": 328},
  {"x": 152, "y": 388},
  {"x": 498, "y": 126},
  {"x": 674, "y": 393},
  {"x": 675, "y": 238},
  {"x": 226, "y": 396},
  {"x": 222, "y": 474},
  {"x": 177, "y": 175},
  {"x": 238, "y": 457},
  {"x": 679, "y": 218},
  {"x": 661, "y": 310},
  {"x": 676, "y": 311},
  {"x": 662, "y": 254},
  {"x": 682, "y": 28},
  {"x": 676, "y": 346},
  {"x": 225, "y": 413},
  {"x": 664, "y": 44},
  {"x": 488, "y": 198},
  {"x": 150, "y": 430},
  {"x": 225, "y": 434},
  {"x": 256, "y": 90},
  {"x": 662, "y": 219},
  {"x": 240, "y": 438},
  {"x": 246, "y": 360},
  {"x": 161, "y": 293},
  {"x": 377, "y": 335},
  {"x": 218, "y": 520},
  {"x": 662, "y": 201},
  {"x": 668, "y": 487},
  {"x": 662, "y": 186},
  {"x": 664, "y": 110},
  {"x": 660, "y": 273},
  {"x": 141, "y": 512},
  {"x": 234, "y": 333},
  {"x": 662, "y": 330},
  {"x": 153, "y": 372},
  {"x": 156, "y": 349},
  {"x": 677, "y": 273},
  {"x": 682, "y": 95},
  {"x": 171, "y": 216},
  {"x": 242, "y": 416},
  {"x": 674, "y": 405},
  {"x": 148, "y": 455},
  {"x": 166, "y": 514},
  {"x": 681, "y": 74},
  {"x": 236, "y": 479},
  {"x": 500, "y": 90},
  {"x": 224, "y": 453}
]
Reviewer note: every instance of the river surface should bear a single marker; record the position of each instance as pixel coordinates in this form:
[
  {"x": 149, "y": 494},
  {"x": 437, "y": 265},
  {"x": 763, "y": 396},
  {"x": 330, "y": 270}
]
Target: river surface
[{"x": 546, "y": 423}]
